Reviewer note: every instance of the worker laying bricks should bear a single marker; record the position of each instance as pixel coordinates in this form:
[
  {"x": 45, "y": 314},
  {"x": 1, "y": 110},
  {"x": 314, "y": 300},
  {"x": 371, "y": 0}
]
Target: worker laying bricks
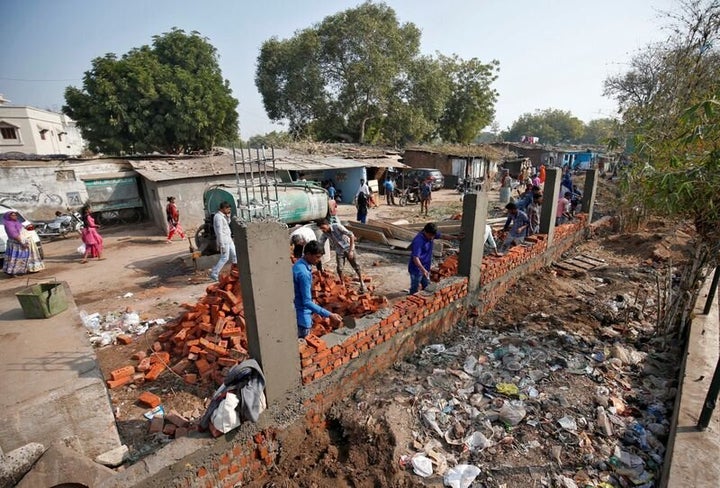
[
  {"x": 342, "y": 242},
  {"x": 421, "y": 255},
  {"x": 302, "y": 281}
]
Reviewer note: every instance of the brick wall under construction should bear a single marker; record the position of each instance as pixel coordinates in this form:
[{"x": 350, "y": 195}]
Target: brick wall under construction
[{"x": 335, "y": 365}]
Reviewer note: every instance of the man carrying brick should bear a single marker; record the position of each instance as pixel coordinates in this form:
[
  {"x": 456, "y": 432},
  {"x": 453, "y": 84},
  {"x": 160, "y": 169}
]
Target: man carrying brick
[
  {"x": 342, "y": 241},
  {"x": 421, "y": 253},
  {"x": 302, "y": 282}
]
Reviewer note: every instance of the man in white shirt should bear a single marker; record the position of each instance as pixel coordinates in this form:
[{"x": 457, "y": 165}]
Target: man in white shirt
[
  {"x": 490, "y": 245},
  {"x": 225, "y": 243},
  {"x": 299, "y": 237}
]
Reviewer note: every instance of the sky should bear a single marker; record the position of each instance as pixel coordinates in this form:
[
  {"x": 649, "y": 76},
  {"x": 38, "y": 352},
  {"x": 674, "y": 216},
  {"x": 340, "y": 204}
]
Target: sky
[{"x": 552, "y": 53}]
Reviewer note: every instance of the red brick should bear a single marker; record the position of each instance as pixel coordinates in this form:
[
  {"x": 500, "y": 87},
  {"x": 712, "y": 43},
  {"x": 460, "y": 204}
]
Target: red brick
[
  {"x": 177, "y": 419},
  {"x": 154, "y": 372},
  {"x": 126, "y": 380},
  {"x": 202, "y": 472},
  {"x": 190, "y": 378},
  {"x": 139, "y": 355},
  {"x": 124, "y": 339},
  {"x": 169, "y": 429},
  {"x": 122, "y": 372},
  {"x": 148, "y": 399}
]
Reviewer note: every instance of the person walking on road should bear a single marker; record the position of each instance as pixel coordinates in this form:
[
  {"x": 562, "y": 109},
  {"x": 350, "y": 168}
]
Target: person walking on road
[
  {"x": 389, "y": 191},
  {"x": 173, "y": 218},
  {"x": 225, "y": 243},
  {"x": 90, "y": 236},
  {"x": 302, "y": 284}
]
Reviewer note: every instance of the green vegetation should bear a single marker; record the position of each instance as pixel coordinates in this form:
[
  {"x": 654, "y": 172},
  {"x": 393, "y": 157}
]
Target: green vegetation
[
  {"x": 358, "y": 76},
  {"x": 669, "y": 101},
  {"x": 168, "y": 97}
]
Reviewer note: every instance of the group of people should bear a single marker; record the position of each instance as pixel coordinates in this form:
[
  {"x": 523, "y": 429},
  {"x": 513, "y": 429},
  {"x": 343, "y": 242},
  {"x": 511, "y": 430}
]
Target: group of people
[
  {"x": 309, "y": 250},
  {"x": 523, "y": 214},
  {"x": 22, "y": 255}
]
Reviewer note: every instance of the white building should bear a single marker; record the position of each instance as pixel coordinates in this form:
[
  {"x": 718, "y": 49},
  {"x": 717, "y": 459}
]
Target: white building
[{"x": 30, "y": 130}]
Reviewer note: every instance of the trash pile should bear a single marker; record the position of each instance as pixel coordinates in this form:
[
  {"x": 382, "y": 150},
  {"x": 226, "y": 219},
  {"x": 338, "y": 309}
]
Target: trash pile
[
  {"x": 115, "y": 327},
  {"x": 591, "y": 411}
]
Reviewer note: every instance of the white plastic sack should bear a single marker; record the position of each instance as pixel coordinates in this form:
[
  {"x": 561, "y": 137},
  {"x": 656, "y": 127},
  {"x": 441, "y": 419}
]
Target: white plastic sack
[
  {"x": 81, "y": 249},
  {"x": 225, "y": 417},
  {"x": 461, "y": 476},
  {"x": 422, "y": 465}
]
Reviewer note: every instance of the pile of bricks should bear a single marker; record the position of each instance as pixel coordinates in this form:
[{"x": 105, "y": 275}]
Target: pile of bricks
[
  {"x": 206, "y": 340},
  {"x": 210, "y": 336},
  {"x": 449, "y": 267},
  {"x": 340, "y": 297}
]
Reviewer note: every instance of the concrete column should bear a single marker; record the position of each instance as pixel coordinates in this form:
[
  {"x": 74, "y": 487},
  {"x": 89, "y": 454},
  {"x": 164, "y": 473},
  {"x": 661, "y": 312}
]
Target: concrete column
[
  {"x": 267, "y": 291},
  {"x": 551, "y": 193},
  {"x": 589, "y": 192},
  {"x": 471, "y": 246}
]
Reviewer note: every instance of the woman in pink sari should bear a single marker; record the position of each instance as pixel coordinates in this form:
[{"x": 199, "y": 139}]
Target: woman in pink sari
[{"x": 91, "y": 238}]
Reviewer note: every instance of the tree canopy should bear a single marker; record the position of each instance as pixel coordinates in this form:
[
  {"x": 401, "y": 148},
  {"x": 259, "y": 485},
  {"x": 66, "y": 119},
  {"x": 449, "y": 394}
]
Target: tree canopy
[
  {"x": 168, "y": 97},
  {"x": 670, "y": 102},
  {"x": 358, "y": 75}
]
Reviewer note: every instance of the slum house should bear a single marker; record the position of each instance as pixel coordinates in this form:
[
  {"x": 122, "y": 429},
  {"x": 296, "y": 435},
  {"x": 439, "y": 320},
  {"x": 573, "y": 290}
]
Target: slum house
[
  {"x": 188, "y": 178},
  {"x": 538, "y": 154},
  {"x": 457, "y": 161},
  {"x": 39, "y": 186}
]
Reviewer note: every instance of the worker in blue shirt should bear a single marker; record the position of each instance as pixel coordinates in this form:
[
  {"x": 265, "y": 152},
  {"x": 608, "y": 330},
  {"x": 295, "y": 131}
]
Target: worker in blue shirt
[
  {"x": 421, "y": 253},
  {"x": 302, "y": 281}
]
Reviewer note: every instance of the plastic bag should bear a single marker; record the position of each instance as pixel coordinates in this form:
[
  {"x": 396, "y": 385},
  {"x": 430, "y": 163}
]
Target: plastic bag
[
  {"x": 225, "y": 418},
  {"x": 81, "y": 249},
  {"x": 461, "y": 476}
]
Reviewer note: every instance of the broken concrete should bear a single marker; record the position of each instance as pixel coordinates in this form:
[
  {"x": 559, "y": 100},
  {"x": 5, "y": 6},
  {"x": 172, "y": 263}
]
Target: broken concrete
[
  {"x": 60, "y": 465},
  {"x": 113, "y": 457}
]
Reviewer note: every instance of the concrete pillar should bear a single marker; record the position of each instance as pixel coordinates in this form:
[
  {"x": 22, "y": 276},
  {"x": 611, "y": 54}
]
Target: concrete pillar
[
  {"x": 474, "y": 216},
  {"x": 551, "y": 193},
  {"x": 589, "y": 192},
  {"x": 267, "y": 290}
]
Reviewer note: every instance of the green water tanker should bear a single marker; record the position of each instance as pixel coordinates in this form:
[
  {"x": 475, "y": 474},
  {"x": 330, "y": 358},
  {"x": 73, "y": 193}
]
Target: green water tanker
[{"x": 290, "y": 203}]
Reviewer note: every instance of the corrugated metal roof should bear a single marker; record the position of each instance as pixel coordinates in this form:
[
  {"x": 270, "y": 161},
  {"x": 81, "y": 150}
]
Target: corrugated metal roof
[{"x": 222, "y": 165}]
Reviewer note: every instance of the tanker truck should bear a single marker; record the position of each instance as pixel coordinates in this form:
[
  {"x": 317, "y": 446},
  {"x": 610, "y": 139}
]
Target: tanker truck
[{"x": 290, "y": 202}]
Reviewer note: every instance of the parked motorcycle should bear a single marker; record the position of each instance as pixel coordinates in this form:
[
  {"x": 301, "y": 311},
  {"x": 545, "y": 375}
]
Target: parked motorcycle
[
  {"x": 468, "y": 184},
  {"x": 61, "y": 226},
  {"x": 408, "y": 195}
]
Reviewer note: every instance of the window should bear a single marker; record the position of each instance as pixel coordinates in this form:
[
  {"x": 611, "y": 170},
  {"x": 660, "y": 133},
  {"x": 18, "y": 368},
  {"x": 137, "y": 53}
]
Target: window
[
  {"x": 60, "y": 134},
  {"x": 43, "y": 133},
  {"x": 9, "y": 132}
]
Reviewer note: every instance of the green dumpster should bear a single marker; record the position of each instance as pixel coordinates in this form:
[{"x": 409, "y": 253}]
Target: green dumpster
[{"x": 42, "y": 300}]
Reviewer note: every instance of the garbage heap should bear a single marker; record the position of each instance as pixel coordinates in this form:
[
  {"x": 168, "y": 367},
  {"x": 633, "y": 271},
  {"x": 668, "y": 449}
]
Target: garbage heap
[{"x": 593, "y": 411}]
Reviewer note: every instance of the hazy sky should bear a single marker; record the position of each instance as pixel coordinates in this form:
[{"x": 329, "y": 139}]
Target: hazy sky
[{"x": 552, "y": 53}]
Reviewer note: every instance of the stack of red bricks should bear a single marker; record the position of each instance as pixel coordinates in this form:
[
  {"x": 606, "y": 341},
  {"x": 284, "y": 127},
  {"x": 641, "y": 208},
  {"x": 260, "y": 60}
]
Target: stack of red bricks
[
  {"x": 340, "y": 297},
  {"x": 172, "y": 424},
  {"x": 449, "y": 267}
]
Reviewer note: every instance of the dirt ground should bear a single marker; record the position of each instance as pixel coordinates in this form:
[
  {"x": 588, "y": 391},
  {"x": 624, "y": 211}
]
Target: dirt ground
[{"x": 371, "y": 438}]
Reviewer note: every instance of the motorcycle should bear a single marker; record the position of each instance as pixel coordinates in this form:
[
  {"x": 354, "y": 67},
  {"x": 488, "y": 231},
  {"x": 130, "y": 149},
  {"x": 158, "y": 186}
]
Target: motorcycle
[
  {"x": 408, "y": 195},
  {"x": 63, "y": 225},
  {"x": 466, "y": 185}
]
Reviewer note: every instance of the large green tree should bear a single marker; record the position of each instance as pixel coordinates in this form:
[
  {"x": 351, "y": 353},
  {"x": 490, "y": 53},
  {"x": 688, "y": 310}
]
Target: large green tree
[
  {"x": 358, "y": 75},
  {"x": 169, "y": 97},
  {"x": 670, "y": 102},
  {"x": 551, "y": 126}
]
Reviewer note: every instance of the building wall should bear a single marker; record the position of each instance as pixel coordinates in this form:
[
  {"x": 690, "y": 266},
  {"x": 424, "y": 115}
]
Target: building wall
[
  {"x": 40, "y": 188},
  {"x": 188, "y": 195},
  {"x": 60, "y": 133},
  {"x": 424, "y": 159}
]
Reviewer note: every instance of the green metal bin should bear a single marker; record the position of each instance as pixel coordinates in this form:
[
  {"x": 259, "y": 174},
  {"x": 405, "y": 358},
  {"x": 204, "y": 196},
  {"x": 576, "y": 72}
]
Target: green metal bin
[{"x": 42, "y": 300}]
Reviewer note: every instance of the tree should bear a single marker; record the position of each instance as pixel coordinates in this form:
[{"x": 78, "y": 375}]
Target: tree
[
  {"x": 271, "y": 139},
  {"x": 669, "y": 102},
  {"x": 472, "y": 102},
  {"x": 600, "y": 131},
  {"x": 168, "y": 97},
  {"x": 358, "y": 75},
  {"x": 551, "y": 126}
]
